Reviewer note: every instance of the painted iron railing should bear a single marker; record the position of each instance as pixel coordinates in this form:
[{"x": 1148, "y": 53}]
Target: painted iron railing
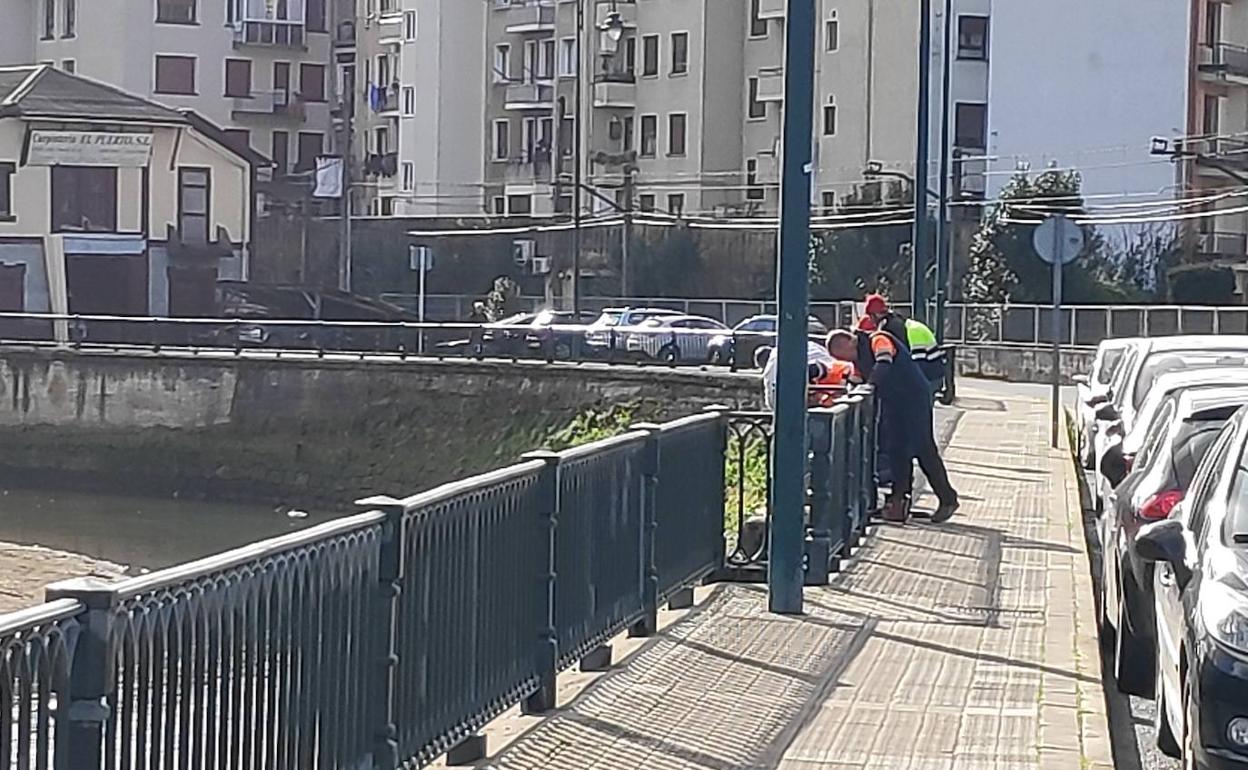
[{"x": 382, "y": 640}]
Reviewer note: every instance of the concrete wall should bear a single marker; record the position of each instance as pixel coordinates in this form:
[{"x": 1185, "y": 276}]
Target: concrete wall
[
  {"x": 1019, "y": 364},
  {"x": 311, "y": 433}
]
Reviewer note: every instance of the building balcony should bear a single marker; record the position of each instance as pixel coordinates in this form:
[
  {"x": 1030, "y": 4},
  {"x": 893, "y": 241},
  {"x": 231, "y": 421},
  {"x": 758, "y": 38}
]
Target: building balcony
[
  {"x": 772, "y": 9},
  {"x": 616, "y": 90},
  {"x": 530, "y": 17},
  {"x": 771, "y": 84},
  {"x": 265, "y": 103},
  {"x": 270, "y": 34},
  {"x": 1224, "y": 61},
  {"x": 626, "y": 8},
  {"x": 529, "y": 96},
  {"x": 1214, "y": 154},
  {"x": 530, "y": 170},
  {"x": 390, "y": 30},
  {"x": 1222, "y": 246}
]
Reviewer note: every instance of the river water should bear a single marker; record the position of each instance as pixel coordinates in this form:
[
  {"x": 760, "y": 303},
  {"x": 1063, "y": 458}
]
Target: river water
[{"x": 140, "y": 533}]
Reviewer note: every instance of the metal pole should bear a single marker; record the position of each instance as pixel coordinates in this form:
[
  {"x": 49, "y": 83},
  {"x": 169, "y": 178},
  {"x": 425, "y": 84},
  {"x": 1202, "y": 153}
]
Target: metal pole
[
  {"x": 1059, "y": 233},
  {"x": 576, "y": 159},
  {"x": 420, "y": 302},
  {"x": 786, "y": 541},
  {"x": 943, "y": 229},
  {"x": 627, "y": 233},
  {"x": 918, "y": 248}
]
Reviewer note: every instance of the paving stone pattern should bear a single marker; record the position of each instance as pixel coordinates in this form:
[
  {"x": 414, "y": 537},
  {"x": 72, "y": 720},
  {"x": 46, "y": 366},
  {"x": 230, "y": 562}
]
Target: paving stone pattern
[{"x": 964, "y": 646}]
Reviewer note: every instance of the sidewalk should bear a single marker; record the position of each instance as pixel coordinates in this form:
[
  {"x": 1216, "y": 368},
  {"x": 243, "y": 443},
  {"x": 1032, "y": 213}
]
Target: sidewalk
[{"x": 968, "y": 645}]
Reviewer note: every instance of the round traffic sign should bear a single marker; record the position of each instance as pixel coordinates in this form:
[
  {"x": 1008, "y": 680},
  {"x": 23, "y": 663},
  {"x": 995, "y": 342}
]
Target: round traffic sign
[{"x": 1058, "y": 240}]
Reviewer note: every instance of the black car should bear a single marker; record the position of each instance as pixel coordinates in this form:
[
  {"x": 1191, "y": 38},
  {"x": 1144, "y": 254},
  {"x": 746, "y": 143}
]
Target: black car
[
  {"x": 1200, "y": 587},
  {"x": 557, "y": 334},
  {"x": 1177, "y": 439},
  {"x": 737, "y": 347}
]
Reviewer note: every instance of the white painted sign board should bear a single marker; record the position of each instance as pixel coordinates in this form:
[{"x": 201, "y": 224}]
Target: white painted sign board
[{"x": 89, "y": 148}]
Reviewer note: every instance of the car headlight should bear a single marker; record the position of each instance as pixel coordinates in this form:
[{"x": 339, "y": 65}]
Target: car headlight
[{"x": 1224, "y": 610}]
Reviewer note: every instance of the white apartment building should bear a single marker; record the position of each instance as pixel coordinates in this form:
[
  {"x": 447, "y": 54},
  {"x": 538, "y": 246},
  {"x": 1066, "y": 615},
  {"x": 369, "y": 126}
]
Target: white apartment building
[{"x": 256, "y": 67}]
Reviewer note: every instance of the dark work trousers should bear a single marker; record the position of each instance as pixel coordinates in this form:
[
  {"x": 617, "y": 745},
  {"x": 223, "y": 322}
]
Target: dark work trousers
[{"x": 911, "y": 436}]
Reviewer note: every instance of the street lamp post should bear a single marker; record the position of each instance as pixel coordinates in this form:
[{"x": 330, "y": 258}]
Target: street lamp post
[
  {"x": 943, "y": 226},
  {"x": 919, "y": 242}
]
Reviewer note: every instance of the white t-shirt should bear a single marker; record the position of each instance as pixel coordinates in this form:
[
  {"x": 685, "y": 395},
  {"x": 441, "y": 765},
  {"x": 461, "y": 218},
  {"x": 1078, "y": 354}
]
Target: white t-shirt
[{"x": 815, "y": 354}]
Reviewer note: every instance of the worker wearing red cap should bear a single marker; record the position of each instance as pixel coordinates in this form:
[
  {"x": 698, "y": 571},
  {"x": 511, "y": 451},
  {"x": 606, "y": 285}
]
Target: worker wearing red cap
[{"x": 885, "y": 319}]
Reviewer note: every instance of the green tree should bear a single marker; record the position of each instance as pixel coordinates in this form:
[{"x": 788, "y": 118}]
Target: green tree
[
  {"x": 852, "y": 261},
  {"x": 503, "y": 300},
  {"x": 671, "y": 267}
]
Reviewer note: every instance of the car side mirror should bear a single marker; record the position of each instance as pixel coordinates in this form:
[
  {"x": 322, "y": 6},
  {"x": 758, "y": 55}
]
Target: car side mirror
[
  {"x": 1114, "y": 465},
  {"x": 1107, "y": 412},
  {"x": 1081, "y": 379},
  {"x": 1166, "y": 541}
]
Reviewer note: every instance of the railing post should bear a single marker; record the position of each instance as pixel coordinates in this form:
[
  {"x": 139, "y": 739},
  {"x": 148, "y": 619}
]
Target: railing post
[
  {"x": 868, "y": 419},
  {"x": 649, "y": 623},
  {"x": 80, "y": 722},
  {"x": 819, "y": 544},
  {"x": 547, "y": 648},
  {"x": 385, "y": 627}
]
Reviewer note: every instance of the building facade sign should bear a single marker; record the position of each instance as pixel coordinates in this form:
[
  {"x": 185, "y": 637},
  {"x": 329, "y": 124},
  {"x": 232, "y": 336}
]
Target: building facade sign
[{"x": 89, "y": 148}]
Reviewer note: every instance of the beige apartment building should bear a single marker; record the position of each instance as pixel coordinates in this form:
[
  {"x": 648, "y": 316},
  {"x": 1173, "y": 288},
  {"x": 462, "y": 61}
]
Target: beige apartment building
[{"x": 256, "y": 67}]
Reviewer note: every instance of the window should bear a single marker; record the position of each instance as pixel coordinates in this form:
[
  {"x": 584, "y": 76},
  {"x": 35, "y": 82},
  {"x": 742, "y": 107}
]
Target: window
[
  {"x": 973, "y": 37},
  {"x": 971, "y": 126},
  {"x": 69, "y": 65},
  {"x": 832, "y": 33},
  {"x": 502, "y": 63},
  {"x": 758, "y": 26},
  {"x": 546, "y": 60},
  {"x": 409, "y": 25},
  {"x": 84, "y": 199},
  {"x": 646, "y": 202},
  {"x": 409, "y": 175},
  {"x": 567, "y": 57},
  {"x": 757, "y": 109},
  {"x": 650, "y": 56},
  {"x": 49, "y": 19},
  {"x": 175, "y": 75},
  {"x": 311, "y": 145},
  {"x": 312, "y": 82},
  {"x": 676, "y": 204},
  {"x": 828, "y": 201},
  {"x": 387, "y": 206},
  {"x": 316, "y": 17},
  {"x": 498, "y": 205},
  {"x": 1212, "y": 114},
  {"x": 567, "y": 130},
  {"x": 193, "y": 196},
  {"x": 502, "y": 139},
  {"x": 238, "y": 77},
  {"x": 381, "y": 141},
  {"x": 676, "y": 125},
  {"x": 409, "y": 101},
  {"x": 69, "y": 25},
  {"x": 829, "y": 117},
  {"x": 626, "y": 141},
  {"x": 7, "y": 169},
  {"x": 680, "y": 53},
  {"x": 521, "y": 205},
  {"x": 281, "y": 153},
  {"x": 281, "y": 77},
  {"x": 175, "y": 11},
  {"x": 1206, "y": 479},
  {"x": 752, "y": 191},
  {"x": 1213, "y": 23},
  {"x": 649, "y": 135}
]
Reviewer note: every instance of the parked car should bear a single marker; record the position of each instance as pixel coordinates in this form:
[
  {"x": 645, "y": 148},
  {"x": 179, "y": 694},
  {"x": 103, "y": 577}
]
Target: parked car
[
  {"x": 557, "y": 333},
  {"x": 1200, "y": 588},
  {"x": 1092, "y": 390},
  {"x": 1180, "y": 433},
  {"x": 607, "y": 336},
  {"x": 506, "y": 338},
  {"x": 737, "y": 348},
  {"x": 1142, "y": 365},
  {"x": 674, "y": 339}
]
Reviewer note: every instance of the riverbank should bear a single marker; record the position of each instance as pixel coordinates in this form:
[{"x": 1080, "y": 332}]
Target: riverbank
[{"x": 26, "y": 569}]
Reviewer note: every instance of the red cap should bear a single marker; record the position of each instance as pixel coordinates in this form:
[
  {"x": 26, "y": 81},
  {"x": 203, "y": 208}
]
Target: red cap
[
  {"x": 866, "y": 324},
  {"x": 876, "y": 304}
]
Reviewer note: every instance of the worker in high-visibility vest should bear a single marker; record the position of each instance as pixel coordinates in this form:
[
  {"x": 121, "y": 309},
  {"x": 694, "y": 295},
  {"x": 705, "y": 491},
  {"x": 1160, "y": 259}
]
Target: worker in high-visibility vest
[{"x": 926, "y": 352}]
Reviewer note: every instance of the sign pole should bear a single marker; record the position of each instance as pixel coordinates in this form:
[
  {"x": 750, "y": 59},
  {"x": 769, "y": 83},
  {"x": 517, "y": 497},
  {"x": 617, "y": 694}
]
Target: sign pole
[
  {"x": 786, "y": 541},
  {"x": 1059, "y": 232},
  {"x": 420, "y": 309}
]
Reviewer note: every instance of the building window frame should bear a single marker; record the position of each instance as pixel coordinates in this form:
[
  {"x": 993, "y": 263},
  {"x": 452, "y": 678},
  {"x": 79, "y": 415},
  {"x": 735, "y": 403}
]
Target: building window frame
[
  {"x": 829, "y": 116},
  {"x": 409, "y": 26},
  {"x": 676, "y": 204},
  {"x": 970, "y": 49},
  {"x": 409, "y": 175},
  {"x": 677, "y": 134},
  {"x": 69, "y": 19},
  {"x": 8, "y": 209},
  {"x": 648, "y": 144},
  {"x": 409, "y": 101},
  {"x": 69, "y": 65},
  {"x": 183, "y": 213},
  {"x": 49, "y": 20},
  {"x": 753, "y": 190},
  {"x": 651, "y": 55},
  {"x": 174, "y": 12},
  {"x": 317, "y": 71},
  {"x": 832, "y": 32},
  {"x": 758, "y": 26},
  {"x": 227, "y": 90},
  {"x": 502, "y": 63},
  {"x": 755, "y": 109},
  {"x": 827, "y": 199},
  {"x": 500, "y": 140},
  {"x": 170, "y": 89},
  {"x": 567, "y": 66},
  {"x": 963, "y": 108},
  {"x": 680, "y": 54}
]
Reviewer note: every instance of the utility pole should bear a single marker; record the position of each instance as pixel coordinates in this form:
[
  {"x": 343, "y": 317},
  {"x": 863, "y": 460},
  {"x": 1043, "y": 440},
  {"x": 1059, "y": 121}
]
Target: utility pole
[
  {"x": 626, "y": 238},
  {"x": 918, "y": 247},
  {"x": 345, "y": 101},
  {"x": 943, "y": 228},
  {"x": 787, "y": 538},
  {"x": 577, "y": 157}
]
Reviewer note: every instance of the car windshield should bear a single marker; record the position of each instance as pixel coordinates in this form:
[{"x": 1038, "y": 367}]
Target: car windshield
[
  {"x": 1237, "y": 507},
  {"x": 1189, "y": 447},
  {"x": 516, "y": 320},
  {"x": 1161, "y": 363},
  {"x": 609, "y": 318},
  {"x": 1109, "y": 365}
]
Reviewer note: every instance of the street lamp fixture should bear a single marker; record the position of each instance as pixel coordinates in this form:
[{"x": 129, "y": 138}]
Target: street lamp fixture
[{"x": 610, "y": 32}]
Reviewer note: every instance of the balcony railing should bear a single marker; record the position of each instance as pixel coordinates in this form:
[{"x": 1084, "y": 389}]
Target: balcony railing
[
  {"x": 529, "y": 96},
  {"x": 1222, "y": 245},
  {"x": 1214, "y": 152},
  {"x": 263, "y": 103},
  {"x": 771, "y": 9},
  {"x": 1224, "y": 59},
  {"x": 278, "y": 34},
  {"x": 530, "y": 17},
  {"x": 615, "y": 89},
  {"x": 771, "y": 84}
]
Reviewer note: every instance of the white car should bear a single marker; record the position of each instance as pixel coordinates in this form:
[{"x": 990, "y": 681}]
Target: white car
[
  {"x": 674, "y": 339},
  {"x": 1142, "y": 364},
  {"x": 1093, "y": 389},
  {"x": 606, "y": 335}
]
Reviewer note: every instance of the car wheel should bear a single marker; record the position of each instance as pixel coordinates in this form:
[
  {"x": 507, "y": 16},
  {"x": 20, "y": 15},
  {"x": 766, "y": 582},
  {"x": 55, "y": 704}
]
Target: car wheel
[
  {"x": 669, "y": 354},
  {"x": 1133, "y": 662},
  {"x": 1167, "y": 743},
  {"x": 563, "y": 350}
]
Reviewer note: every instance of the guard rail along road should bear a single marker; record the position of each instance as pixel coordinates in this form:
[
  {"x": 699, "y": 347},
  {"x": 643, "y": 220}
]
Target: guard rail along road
[{"x": 388, "y": 638}]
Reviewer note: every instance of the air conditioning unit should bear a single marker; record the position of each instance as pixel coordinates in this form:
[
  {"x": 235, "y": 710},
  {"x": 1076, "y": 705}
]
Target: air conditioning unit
[
  {"x": 523, "y": 251},
  {"x": 540, "y": 265}
]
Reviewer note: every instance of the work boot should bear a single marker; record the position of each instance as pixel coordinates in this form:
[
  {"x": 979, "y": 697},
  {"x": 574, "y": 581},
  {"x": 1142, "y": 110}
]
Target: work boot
[
  {"x": 945, "y": 511},
  {"x": 896, "y": 510}
]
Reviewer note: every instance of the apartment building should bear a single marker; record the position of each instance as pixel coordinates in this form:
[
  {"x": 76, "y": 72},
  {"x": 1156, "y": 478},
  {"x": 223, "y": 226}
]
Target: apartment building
[{"x": 256, "y": 67}]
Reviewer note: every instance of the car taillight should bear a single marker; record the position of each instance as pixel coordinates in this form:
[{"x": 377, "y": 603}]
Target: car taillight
[
  {"x": 1129, "y": 461},
  {"x": 1158, "y": 506}
]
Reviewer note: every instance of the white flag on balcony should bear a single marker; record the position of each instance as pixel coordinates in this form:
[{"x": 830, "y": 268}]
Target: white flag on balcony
[{"x": 328, "y": 177}]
